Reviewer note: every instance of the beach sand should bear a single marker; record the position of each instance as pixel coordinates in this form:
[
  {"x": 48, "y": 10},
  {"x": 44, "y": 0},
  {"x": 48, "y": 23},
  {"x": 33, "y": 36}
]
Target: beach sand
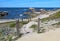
[{"x": 52, "y": 35}]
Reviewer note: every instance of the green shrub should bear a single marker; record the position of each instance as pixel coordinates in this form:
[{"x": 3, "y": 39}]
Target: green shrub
[
  {"x": 12, "y": 25},
  {"x": 56, "y": 23},
  {"x": 24, "y": 22},
  {"x": 34, "y": 27}
]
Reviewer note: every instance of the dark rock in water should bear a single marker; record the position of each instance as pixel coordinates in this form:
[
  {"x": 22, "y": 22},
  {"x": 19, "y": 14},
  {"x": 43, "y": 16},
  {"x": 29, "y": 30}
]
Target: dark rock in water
[{"x": 3, "y": 13}]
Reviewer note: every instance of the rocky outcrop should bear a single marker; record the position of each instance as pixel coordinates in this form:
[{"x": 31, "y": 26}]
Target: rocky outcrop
[{"x": 4, "y": 13}]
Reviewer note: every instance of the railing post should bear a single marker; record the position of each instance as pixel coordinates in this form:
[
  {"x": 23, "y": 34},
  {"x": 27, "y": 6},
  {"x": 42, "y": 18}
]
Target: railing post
[
  {"x": 38, "y": 25},
  {"x": 17, "y": 27}
]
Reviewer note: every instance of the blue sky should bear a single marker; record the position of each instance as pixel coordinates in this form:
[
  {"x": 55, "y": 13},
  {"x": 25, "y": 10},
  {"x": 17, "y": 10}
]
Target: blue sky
[{"x": 29, "y": 3}]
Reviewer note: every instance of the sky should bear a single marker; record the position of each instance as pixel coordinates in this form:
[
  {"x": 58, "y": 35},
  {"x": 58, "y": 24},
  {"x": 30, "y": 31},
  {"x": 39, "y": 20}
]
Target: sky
[{"x": 29, "y": 3}]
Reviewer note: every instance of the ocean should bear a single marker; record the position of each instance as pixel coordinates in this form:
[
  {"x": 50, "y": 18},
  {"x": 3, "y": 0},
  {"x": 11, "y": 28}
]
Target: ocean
[{"x": 14, "y": 13}]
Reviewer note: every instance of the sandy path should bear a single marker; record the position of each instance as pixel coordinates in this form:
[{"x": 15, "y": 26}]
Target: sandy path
[
  {"x": 48, "y": 36},
  {"x": 26, "y": 28}
]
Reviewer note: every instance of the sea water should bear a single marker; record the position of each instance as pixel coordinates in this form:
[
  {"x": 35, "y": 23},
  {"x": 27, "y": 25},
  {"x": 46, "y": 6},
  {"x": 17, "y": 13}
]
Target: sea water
[{"x": 14, "y": 13}]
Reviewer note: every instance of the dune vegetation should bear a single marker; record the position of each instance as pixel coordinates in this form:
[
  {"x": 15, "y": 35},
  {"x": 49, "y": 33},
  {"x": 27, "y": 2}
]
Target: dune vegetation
[{"x": 51, "y": 17}]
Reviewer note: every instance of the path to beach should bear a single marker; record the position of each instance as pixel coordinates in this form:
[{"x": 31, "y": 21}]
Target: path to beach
[{"x": 26, "y": 28}]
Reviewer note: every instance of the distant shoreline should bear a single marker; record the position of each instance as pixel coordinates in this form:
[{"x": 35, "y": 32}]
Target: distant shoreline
[{"x": 9, "y": 20}]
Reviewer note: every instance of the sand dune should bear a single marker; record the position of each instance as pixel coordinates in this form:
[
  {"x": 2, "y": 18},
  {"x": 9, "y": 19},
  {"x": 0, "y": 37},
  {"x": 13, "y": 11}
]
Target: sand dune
[{"x": 48, "y": 36}]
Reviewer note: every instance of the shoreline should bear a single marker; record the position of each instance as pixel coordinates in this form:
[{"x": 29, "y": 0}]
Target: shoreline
[{"x": 39, "y": 16}]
